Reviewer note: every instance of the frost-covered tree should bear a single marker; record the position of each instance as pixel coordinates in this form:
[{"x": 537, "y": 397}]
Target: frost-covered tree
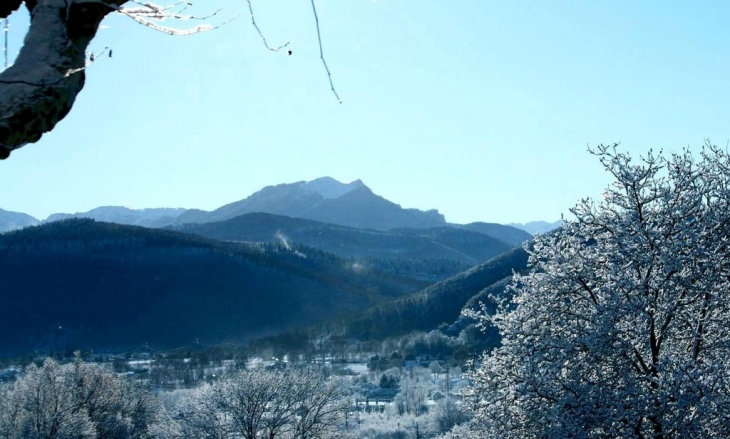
[
  {"x": 299, "y": 404},
  {"x": 411, "y": 398},
  {"x": 320, "y": 406},
  {"x": 448, "y": 414},
  {"x": 77, "y": 400},
  {"x": 462, "y": 431},
  {"x": 622, "y": 326}
]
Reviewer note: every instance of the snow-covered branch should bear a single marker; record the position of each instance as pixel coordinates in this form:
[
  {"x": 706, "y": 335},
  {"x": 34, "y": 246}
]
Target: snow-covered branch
[{"x": 152, "y": 15}]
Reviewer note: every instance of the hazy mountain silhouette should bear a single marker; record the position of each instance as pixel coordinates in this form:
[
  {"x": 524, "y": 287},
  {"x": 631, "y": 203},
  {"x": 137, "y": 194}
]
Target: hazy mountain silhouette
[
  {"x": 535, "y": 227},
  {"x": 155, "y": 217},
  {"x": 326, "y": 200},
  {"x": 15, "y": 220},
  {"x": 435, "y": 243},
  {"x": 509, "y": 234}
]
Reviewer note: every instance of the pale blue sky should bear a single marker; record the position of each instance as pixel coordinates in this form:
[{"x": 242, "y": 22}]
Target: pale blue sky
[{"x": 481, "y": 109}]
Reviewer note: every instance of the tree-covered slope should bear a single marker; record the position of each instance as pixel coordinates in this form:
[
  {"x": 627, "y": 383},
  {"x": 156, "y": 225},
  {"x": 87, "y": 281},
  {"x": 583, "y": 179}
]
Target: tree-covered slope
[
  {"x": 80, "y": 283},
  {"x": 436, "y": 304},
  {"x": 464, "y": 246},
  {"x": 510, "y": 235}
]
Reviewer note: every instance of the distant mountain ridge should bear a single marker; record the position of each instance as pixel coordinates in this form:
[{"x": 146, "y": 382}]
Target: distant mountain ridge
[
  {"x": 535, "y": 227},
  {"x": 15, "y": 220},
  {"x": 286, "y": 257},
  {"x": 327, "y": 200},
  {"x": 153, "y": 217},
  {"x": 509, "y": 234},
  {"x": 324, "y": 199}
]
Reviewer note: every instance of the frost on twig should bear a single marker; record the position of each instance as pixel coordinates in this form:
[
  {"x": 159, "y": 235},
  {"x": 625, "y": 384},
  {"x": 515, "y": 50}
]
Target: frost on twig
[{"x": 151, "y": 15}]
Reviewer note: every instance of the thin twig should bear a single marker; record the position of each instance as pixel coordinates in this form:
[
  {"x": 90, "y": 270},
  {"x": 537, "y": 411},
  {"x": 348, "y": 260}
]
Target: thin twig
[
  {"x": 321, "y": 54},
  {"x": 263, "y": 38}
]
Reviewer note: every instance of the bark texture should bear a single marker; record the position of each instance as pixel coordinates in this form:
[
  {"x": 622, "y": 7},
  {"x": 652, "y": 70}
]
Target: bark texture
[{"x": 40, "y": 88}]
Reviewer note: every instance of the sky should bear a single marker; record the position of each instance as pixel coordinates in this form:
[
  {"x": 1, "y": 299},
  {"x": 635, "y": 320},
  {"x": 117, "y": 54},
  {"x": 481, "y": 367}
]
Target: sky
[{"x": 481, "y": 109}]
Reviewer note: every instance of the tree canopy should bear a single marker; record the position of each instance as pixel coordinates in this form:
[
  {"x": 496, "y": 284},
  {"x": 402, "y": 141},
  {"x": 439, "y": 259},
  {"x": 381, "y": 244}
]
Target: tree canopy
[
  {"x": 260, "y": 403},
  {"x": 621, "y": 327},
  {"x": 79, "y": 400}
]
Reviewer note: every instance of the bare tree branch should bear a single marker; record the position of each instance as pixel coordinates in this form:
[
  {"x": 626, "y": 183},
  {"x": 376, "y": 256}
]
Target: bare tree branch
[
  {"x": 149, "y": 15},
  {"x": 321, "y": 53},
  {"x": 263, "y": 38}
]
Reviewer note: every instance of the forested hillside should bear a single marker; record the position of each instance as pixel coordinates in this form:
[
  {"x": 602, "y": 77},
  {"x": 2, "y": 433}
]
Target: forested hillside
[
  {"x": 80, "y": 283},
  {"x": 437, "y": 304},
  {"x": 463, "y": 246}
]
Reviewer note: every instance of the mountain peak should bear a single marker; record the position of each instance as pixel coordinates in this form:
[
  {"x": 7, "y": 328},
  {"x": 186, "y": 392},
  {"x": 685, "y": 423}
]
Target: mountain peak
[
  {"x": 327, "y": 200},
  {"x": 329, "y": 188},
  {"x": 15, "y": 220}
]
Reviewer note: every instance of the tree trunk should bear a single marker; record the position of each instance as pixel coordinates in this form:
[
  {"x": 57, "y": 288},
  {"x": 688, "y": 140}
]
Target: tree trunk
[{"x": 40, "y": 88}]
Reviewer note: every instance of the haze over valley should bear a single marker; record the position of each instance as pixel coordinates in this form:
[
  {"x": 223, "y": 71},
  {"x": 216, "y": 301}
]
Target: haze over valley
[{"x": 287, "y": 257}]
